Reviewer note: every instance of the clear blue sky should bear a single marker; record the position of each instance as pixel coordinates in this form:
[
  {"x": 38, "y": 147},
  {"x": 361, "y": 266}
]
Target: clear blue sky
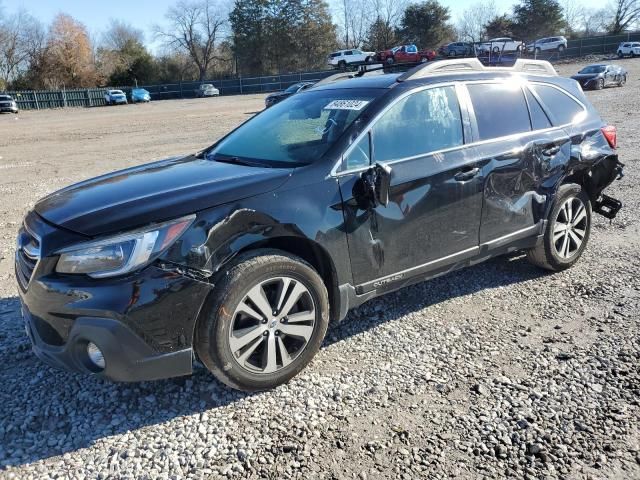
[{"x": 143, "y": 14}]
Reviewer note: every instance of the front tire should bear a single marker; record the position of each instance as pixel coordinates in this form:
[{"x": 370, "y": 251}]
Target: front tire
[
  {"x": 269, "y": 315},
  {"x": 567, "y": 231},
  {"x": 600, "y": 84}
]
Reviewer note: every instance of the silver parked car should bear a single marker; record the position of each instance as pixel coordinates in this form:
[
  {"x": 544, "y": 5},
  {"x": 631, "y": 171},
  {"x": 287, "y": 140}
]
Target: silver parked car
[{"x": 207, "y": 90}]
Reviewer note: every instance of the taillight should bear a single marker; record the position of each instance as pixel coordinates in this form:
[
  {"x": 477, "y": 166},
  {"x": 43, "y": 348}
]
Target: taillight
[{"x": 611, "y": 134}]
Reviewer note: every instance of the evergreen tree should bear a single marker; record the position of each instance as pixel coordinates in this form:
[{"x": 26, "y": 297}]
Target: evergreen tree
[
  {"x": 537, "y": 18},
  {"x": 426, "y": 24}
]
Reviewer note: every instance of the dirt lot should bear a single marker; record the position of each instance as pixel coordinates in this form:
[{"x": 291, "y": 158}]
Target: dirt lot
[{"x": 499, "y": 370}]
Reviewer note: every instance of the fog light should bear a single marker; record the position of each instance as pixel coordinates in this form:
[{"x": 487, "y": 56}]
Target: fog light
[{"x": 95, "y": 355}]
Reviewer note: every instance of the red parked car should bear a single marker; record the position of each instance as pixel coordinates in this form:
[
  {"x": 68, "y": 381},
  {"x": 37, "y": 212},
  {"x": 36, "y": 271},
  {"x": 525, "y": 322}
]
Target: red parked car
[{"x": 405, "y": 53}]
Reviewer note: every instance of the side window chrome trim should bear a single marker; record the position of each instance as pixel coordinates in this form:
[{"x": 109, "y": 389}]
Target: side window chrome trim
[
  {"x": 546, "y": 108},
  {"x": 337, "y": 171},
  {"x": 467, "y": 111}
]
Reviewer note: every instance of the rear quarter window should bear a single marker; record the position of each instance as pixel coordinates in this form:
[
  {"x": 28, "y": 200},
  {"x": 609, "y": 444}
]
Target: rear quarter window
[
  {"x": 500, "y": 110},
  {"x": 563, "y": 108},
  {"x": 539, "y": 119}
]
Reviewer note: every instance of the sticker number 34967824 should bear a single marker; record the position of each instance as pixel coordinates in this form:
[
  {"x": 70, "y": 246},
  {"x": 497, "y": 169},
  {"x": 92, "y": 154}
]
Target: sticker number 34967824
[{"x": 346, "y": 105}]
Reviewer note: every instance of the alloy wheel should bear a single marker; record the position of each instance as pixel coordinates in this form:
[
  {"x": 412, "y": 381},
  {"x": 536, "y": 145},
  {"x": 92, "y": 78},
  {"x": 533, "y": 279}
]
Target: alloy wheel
[
  {"x": 570, "y": 227},
  {"x": 272, "y": 325}
]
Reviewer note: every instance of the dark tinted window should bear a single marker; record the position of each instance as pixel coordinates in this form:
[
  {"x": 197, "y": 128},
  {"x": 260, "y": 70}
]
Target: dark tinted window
[
  {"x": 500, "y": 109},
  {"x": 563, "y": 108},
  {"x": 539, "y": 119},
  {"x": 420, "y": 123}
]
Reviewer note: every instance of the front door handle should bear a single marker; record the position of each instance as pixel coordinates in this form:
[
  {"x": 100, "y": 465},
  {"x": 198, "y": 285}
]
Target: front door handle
[
  {"x": 550, "y": 151},
  {"x": 467, "y": 174}
]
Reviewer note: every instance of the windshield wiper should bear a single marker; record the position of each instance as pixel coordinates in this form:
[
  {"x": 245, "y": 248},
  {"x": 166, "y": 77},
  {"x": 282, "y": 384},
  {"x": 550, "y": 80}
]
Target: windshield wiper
[{"x": 237, "y": 161}]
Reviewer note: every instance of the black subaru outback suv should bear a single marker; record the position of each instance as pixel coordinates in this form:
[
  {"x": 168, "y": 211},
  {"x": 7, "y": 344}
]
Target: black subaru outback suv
[{"x": 241, "y": 254}]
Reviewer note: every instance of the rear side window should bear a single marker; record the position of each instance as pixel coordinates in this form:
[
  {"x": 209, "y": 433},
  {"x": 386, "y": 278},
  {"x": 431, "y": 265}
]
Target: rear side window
[
  {"x": 500, "y": 110},
  {"x": 539, "y": 119},
  {"x": 424, "y": 122},
  {"x": 563, "y": 108}
]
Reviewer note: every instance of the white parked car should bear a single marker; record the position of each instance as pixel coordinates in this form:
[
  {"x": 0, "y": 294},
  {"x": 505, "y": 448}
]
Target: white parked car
[
  {"x": 115, "y": 97},
  {"x": 342, "y": 58},
  {"x": 546, "y": 44},
  {"x": 631, "y": 49},
  {"x": 502, "y": 44}
]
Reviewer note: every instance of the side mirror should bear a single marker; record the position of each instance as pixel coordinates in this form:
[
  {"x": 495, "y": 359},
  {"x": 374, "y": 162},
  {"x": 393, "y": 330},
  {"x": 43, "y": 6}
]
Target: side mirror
[{"x": 377, "y": 183}]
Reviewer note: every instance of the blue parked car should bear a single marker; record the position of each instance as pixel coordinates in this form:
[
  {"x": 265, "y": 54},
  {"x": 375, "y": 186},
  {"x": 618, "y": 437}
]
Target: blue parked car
[
  {"x": 140, "y": 95},
  {"x": 114, "y": 97}
]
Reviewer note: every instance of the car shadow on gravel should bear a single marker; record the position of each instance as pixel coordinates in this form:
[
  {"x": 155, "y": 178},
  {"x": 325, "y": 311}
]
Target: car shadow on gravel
[{"x": 46, "y": 412}]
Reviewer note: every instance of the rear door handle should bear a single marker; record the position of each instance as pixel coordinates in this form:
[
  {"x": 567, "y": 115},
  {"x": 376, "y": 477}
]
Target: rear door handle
[
  {"x": 467, "y": 174},
  {"x": 550, "y": 151}
]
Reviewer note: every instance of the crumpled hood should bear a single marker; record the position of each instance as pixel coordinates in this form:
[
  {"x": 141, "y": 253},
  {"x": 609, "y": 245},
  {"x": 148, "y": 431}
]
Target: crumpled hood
[{"x": 154, "y": 192}]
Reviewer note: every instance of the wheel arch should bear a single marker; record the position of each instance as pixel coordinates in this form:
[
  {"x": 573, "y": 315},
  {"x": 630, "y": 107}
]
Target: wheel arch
[
  {"x": 596, "y": 177},
  {"x": 312, "y": 253},
  {"x": 308, "y": 250}
]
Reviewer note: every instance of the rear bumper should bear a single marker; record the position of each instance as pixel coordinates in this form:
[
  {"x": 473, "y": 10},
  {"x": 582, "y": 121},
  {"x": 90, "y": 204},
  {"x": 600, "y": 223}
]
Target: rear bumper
[{"x": 127, "y": 357}]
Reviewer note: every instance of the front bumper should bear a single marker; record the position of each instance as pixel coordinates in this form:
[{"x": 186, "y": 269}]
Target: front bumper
[
  {"x": 9, "y": 109},
  {"x": 127, "y": 357},
  {"x": 587, "y": 83},
  {"x": 143, "y": 323}
]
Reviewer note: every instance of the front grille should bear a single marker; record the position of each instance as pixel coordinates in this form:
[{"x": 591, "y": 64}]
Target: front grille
[{"x": 27, "y": 256}]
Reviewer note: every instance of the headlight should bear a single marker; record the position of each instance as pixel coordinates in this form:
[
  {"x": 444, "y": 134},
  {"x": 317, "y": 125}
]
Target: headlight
[{"x": 122, "y": 253}]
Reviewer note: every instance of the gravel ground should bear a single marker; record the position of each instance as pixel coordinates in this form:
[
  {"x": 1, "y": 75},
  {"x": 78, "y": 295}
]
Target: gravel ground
[{"x": 498, "y": 370}]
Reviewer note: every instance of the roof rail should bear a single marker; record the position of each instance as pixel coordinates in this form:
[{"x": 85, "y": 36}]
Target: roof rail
[{"x": 540, "y": 67}]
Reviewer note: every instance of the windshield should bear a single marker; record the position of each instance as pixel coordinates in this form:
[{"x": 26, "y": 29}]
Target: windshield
[
  {"x": 295, "y": 132},
  {"x": 116, "y": 92},
  {"x": 293, "y": 88},
  {"x": 5, "y": 97},
  {"x": 139, "y": 90},
  {"x": 593, "y": 69}
]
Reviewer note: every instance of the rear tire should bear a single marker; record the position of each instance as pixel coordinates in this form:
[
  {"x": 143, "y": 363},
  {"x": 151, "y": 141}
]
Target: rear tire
[
  {"x": 342, "y": 65},
  {"x": 620, "y": 54},
  {"x": 562, "y": 246},
  {"x": 277, "y": 347}
]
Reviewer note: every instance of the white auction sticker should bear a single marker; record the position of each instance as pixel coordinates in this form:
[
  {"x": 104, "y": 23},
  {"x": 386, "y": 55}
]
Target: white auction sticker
[{"x": 347, "y": 105}]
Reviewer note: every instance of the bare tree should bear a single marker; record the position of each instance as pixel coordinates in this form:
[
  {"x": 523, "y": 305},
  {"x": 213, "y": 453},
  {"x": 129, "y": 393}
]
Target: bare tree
[
  {"x": 22, "y": 38},
  {"x": 357, "y": 17},
  {"x": 595, "y": 21},
  {"x": 354, "y": 20},
  {"x": 574, "y": 15},
  {"x": 195, "y": 27},
  {"x": 119, "y": 34},
  {"x": 472, "y": 22},
  {"x": 627, "y": 13}
]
